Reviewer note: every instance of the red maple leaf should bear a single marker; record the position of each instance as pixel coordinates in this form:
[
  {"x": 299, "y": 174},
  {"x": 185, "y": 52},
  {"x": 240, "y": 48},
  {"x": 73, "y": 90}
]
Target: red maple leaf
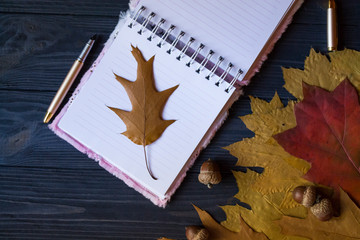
[{"x": 328, "y": 136}]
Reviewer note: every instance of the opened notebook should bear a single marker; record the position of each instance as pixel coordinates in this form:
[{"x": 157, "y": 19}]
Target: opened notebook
[{"x": 209, "y": 48}]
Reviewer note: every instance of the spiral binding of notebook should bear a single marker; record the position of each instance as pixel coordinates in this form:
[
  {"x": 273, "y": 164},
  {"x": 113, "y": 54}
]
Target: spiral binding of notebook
[{"x": 144, "y": 22}]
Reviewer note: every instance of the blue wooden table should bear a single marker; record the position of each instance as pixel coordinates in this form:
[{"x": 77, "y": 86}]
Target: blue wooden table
[{"x": 48, "y": 190}]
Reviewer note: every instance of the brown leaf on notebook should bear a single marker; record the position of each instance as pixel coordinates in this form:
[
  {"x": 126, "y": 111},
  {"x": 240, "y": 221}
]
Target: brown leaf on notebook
[{"x": 144, "y": 123}]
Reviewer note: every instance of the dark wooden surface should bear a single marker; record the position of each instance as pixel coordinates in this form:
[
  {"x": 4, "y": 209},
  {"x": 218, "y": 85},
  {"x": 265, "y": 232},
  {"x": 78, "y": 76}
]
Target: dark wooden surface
[{"x": 48, "y": 190}]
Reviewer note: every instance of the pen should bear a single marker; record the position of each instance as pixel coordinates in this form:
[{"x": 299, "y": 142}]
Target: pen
[
  {"x": 332, "y": 38},
  {"x": 68, "y": 81}
]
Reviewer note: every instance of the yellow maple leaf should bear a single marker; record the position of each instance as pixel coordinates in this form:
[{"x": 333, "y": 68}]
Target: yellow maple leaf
[
  {"x": 282, "y": 171},
  {"x": 265, "y": 209},
  {"x": 346, "y": 64},
  {"x": 261, "y": 106},
  {"x": 344, "y": 227},
  {"x": 324, "y": 73},
  {"x": 270, "y": 118},
  {"x": 269, "y": 194}
]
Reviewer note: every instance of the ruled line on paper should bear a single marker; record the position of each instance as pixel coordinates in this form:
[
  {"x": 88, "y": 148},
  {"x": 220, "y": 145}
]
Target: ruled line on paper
[{"x": 211, "y": 32}]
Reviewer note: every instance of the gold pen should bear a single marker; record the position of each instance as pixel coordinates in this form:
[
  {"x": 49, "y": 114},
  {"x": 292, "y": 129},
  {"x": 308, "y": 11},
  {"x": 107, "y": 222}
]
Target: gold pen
[
  {"x": 69, "y": 79},
  {"x": 332, "y": 36}
]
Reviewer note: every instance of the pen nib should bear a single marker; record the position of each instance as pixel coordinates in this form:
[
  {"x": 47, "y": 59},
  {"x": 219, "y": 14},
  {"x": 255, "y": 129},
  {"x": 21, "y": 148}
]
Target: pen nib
[{"x": 47, "y": 117}]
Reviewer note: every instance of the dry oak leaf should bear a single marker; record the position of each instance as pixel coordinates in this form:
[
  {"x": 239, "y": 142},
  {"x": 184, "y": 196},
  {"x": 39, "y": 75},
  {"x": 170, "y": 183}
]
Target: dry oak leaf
[
  {"x": 344, "y": 227},
  {"x": 144, "y": 123},
  {"x": 218, "y": 232},
  {"x": 327, "y": 136},
  {"x": 321, "y": 72}
]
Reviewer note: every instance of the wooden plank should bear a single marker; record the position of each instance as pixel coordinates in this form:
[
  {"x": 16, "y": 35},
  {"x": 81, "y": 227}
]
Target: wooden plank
[
  {"x": 90, "y": 186},
  {"x": 312, "y": 11},
  {"x": 39, "y": 203},
  {"x": 66, "y": 7},
  {"x": 51, "y": 191},
  {"x": 37, "y": 51}
]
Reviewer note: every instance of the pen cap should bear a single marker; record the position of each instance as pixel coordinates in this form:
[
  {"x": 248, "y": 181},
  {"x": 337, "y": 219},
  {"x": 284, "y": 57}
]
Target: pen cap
[
  {"x": 86, "y": 50},
  {"x": 332, "y": 38}
]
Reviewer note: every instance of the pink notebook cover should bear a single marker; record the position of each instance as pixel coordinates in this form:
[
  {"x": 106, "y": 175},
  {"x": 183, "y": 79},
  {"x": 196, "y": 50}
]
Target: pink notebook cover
[{"x": 208, "y": 136}]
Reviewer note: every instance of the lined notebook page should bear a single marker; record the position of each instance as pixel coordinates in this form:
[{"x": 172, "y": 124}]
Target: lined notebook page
[
  {"x": 235, "y": 29},
  {"x": 194, "y": 105}
]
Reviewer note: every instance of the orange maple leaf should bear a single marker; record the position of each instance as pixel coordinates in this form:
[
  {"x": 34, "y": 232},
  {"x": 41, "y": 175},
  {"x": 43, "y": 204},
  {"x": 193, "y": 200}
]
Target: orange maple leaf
[{"x": 144, "y": 123}]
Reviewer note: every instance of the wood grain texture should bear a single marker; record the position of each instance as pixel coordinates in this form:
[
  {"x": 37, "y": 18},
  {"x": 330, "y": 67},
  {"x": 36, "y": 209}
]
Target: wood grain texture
[
  {"x": 51, "y": 191},
  {"x": 102, "y": 8}
]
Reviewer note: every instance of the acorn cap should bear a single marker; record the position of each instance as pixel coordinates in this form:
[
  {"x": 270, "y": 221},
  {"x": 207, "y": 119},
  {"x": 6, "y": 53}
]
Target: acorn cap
[
  {"x": 323, "y": 210},
  {"x": 309, "y": 196},
  {"x": 210, "y": 166}
]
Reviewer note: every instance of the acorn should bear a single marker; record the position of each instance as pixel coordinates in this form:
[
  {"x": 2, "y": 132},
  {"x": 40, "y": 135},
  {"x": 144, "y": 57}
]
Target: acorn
[
  {"x": 196, "y": 233},
  {"x": 323, "y": 210},
  {"x": 209, "y": 173},
  {"x": 305, "y": 195}
]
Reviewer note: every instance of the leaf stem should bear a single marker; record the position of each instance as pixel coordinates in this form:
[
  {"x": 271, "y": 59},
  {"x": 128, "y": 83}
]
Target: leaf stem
[
  {"x": 144, "y": 140},
  {"x": 147, "y": 165}
]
